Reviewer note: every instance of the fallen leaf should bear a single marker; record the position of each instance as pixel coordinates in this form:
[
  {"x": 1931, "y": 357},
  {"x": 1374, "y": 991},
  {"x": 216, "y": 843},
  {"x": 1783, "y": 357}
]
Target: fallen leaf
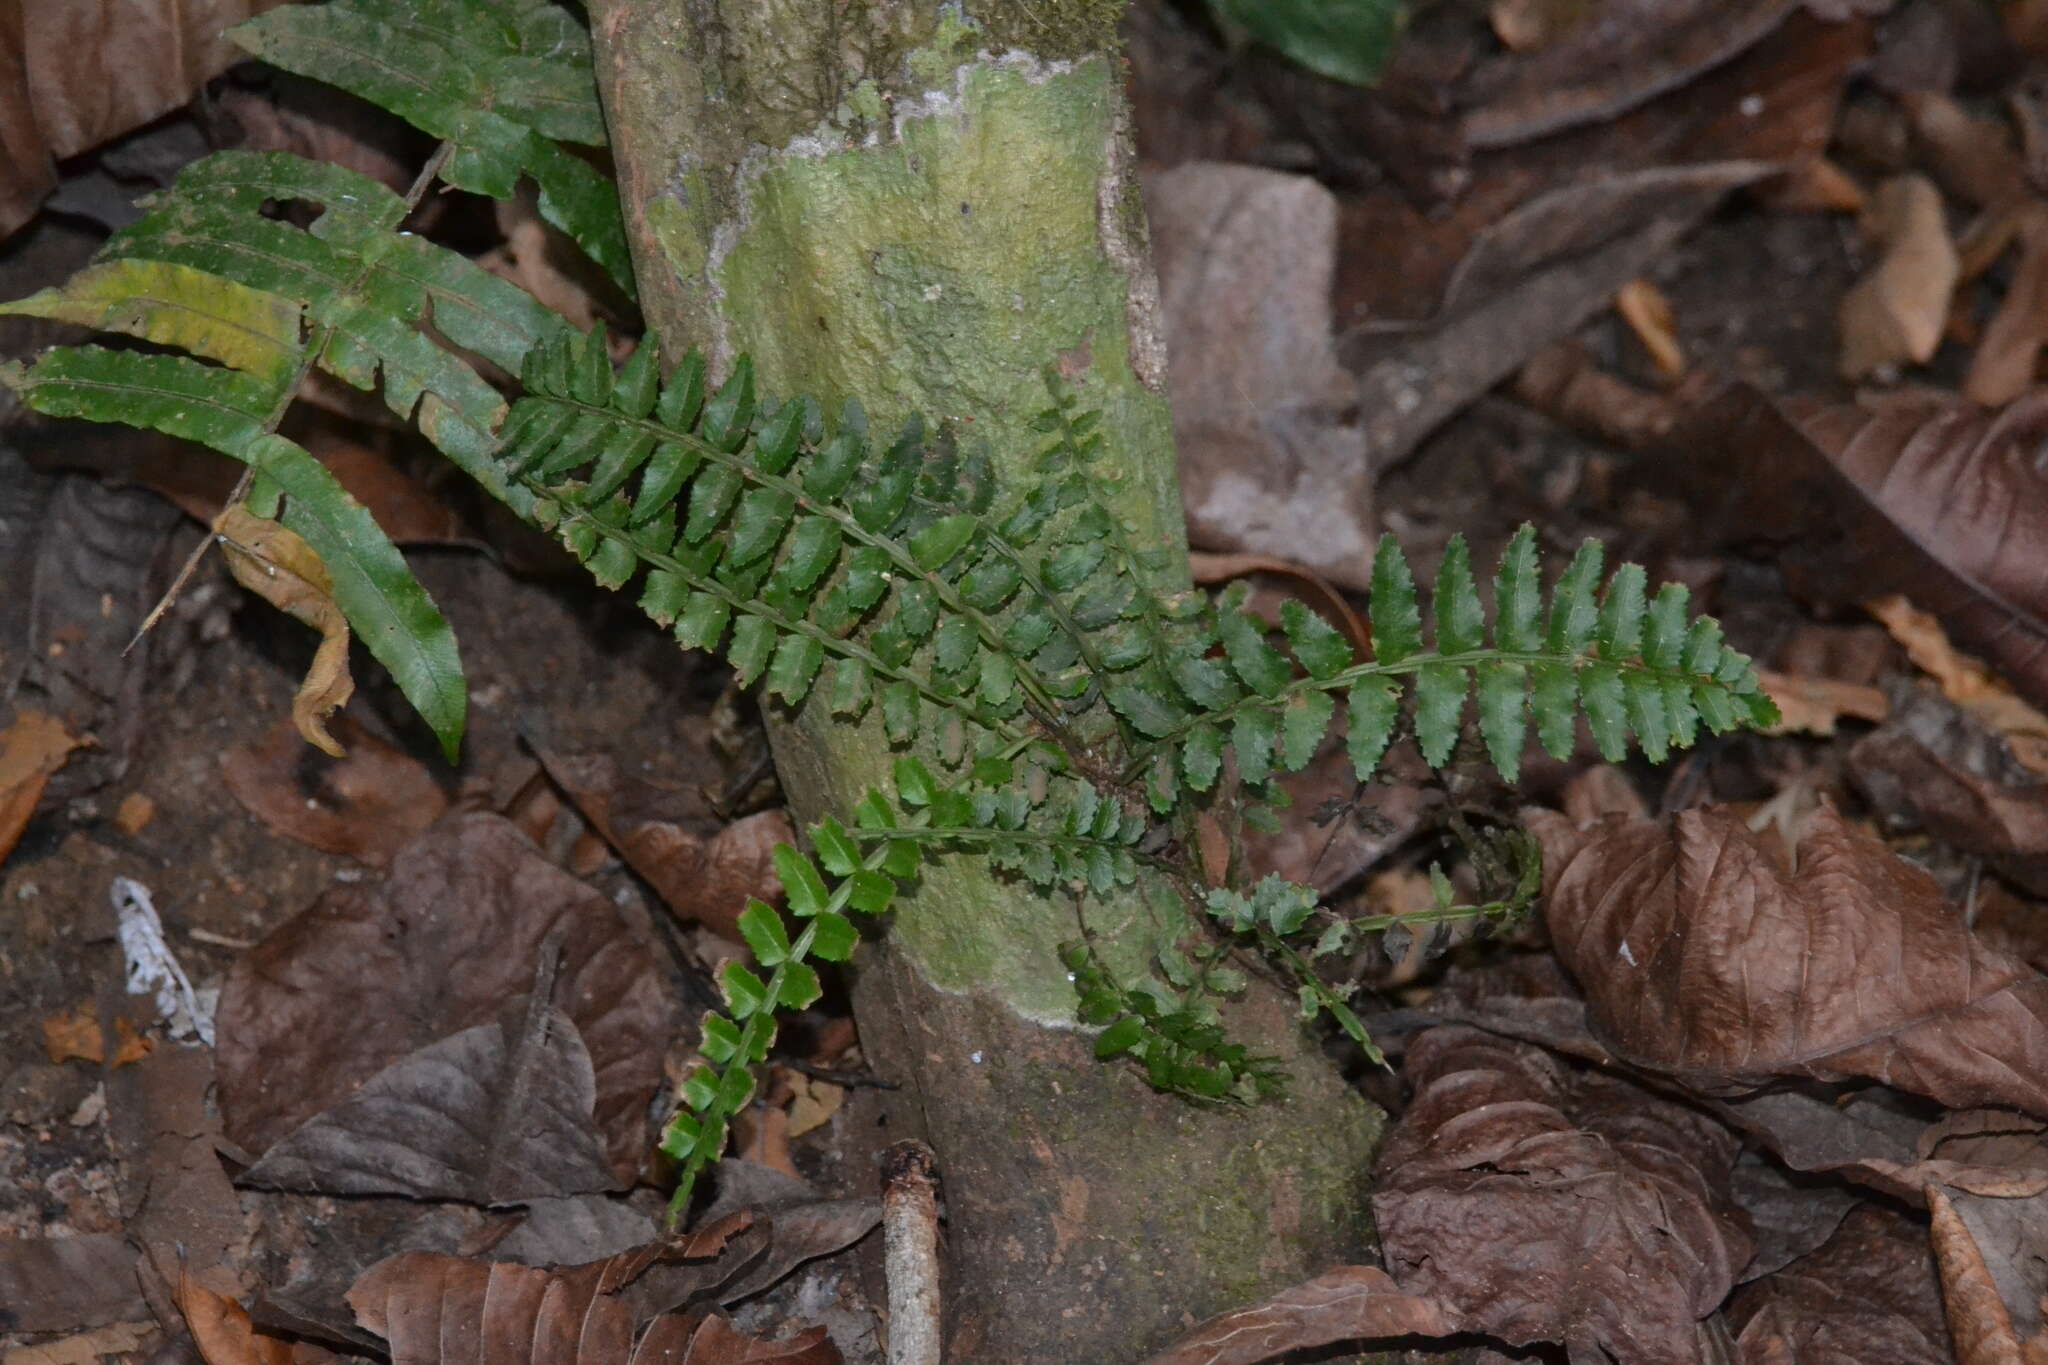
[
  {"x": 704, "y": 881},
  {"x": 303, "y": 116},
  {"x": 370, "y": 973},
  {"x": 121, "y": 1339},
  {"x": 717, "y": 1342},
  {"x": 1974, "y": 157},
  {"x": 367, "y": 805},
  {"x": 56, "y": 100},
  {"x": 1815, "y": 706},
  {"x": 2009, "y": 353},
  {"x": 1789, "y": 1217},
  {"x": 1896, "y": 312},
  {"x": 496, "y": 1114},
  {"x": 571, "y": 1231},
  {"x": 1649, "y": 316},
  {"x": 1935, "y": 766},
  {"x": 1637, "y": 51},
  {"x": 812, "y": 1103},
  {"x": 1532, "y": 25},
  {"x": 1269, "y": 462},
  {"x": 279, "y": 567},
  {"x": 803, "y": 1225},
  {"x": 222, "y": 1331},
  {"x": 1868, "y": 1297},
  {"x": 1979, "y": 1320},
  {"x": 1538, "y": 1205},
  {"x": 65, "y": 1284},
  {"x": 1965, "y": 681},
  {"x": 31, "y": 749},
  {"x": 76, "y": 1033},
  {"x": 1705, "y": 958},
  {"x": 429, "y": 1306},
  {"x": 163, "y": 1132},
  {"x": 1350, "y": 1303}
]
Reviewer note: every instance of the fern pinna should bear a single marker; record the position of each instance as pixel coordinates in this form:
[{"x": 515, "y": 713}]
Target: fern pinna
[{"x": 1063, "y": 704}]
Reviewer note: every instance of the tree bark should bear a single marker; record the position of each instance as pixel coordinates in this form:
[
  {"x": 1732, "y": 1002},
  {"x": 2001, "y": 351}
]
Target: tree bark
[{"x": 922, "y": 205}]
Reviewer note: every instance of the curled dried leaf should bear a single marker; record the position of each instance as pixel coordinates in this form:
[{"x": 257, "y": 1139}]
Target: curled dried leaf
[
  {"x": 279, "y": 567},
  {"x": 1540, "y": 1205},
  {"x": 1896, "y": 312}
]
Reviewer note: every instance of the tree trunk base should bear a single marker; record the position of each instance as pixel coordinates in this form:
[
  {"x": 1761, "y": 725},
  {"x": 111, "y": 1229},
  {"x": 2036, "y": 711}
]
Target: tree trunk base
[{"x": 1088, "y": 1217}]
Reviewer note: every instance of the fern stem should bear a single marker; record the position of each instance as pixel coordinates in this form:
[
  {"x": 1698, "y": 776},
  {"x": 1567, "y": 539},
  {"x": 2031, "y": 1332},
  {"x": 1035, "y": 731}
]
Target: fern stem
[{"x": 1414, "y": 663}]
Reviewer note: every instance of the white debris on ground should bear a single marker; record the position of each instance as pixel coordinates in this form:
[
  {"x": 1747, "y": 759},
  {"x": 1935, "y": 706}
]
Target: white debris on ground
[{"x": 151, "y": 966}]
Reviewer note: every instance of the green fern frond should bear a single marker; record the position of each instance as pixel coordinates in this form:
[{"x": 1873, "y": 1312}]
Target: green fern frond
[
  {"x": 503, "y": 82},
  {"x": 1632, "y": 667},
  {"x": 796, "y": 545}
]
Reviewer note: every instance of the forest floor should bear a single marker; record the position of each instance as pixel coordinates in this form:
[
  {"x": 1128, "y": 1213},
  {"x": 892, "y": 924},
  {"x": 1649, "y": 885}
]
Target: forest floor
[{"x": 1752, "y": 292}]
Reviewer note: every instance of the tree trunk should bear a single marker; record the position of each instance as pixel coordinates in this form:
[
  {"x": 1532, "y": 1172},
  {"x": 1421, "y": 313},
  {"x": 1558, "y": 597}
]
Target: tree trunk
[{"x": 861, "y": 196}]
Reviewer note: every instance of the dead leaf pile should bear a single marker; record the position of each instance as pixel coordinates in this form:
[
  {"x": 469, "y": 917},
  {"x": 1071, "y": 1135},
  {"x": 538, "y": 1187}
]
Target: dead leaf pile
[{"x": 393, "y": 987}]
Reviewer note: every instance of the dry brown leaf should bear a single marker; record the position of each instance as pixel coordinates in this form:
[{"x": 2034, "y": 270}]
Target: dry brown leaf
[
  {"x": 1867, "y": 1297},
  {"x": 1531, "y": 25},
  {"x": 1977, "y": 1318},
  {"x": 222, "y": 1331},
  {"x": 134, "y": 813},
  {"x": 432, "y": 1124},
  {"x": 1639, "y": 50},
  {"x": 2003, "y": 367},
  {"x": 1350, "y": 1303},
  {"x": 76, "y": 1033},
  {"x": 302, "y": 116},
  {"x": 366, "y": 806},
  {"x": 537, "y": 259},
  {"x": 1814, "y": 184},
  {"x": 55, "y": 96},
  {"x": 1965, "y": 681},
  {"x": 1897, "y": 311},
  {"x": 1936, "y": 766},
  {"x": 1705, "y": 958},
  {"x": 1974, "y": 157},
  {"x": 1648, "y": 313},
  {"x": 1814, "y": 706},
  {"x": 1536, "y": 1204},
  {"x": 372, "y": 972},
  {"x": 66, "y": 1284},
  {"x": 703, "y": 880},
  {"x": 275, "y": 564},
  {"x": 122, "y": 1339},
  {"x": 812, "y": 1103},
  {"x": 32, "y": 749},
  {"x": 434, "y": 1308},
  {"x": 1917, "y": 491}
]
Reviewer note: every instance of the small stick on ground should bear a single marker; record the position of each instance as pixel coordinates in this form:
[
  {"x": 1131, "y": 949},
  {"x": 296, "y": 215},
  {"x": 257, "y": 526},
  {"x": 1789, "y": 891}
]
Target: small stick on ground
[{"x": 910, "y": 1252}]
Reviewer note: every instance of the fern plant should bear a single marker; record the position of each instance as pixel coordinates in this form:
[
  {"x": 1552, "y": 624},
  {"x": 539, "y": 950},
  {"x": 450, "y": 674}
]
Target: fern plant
[{"x": 1080, "y": 706}]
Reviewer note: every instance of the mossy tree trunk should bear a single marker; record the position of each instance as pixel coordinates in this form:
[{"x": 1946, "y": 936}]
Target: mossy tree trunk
[{"x": 923, "y": 205}]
